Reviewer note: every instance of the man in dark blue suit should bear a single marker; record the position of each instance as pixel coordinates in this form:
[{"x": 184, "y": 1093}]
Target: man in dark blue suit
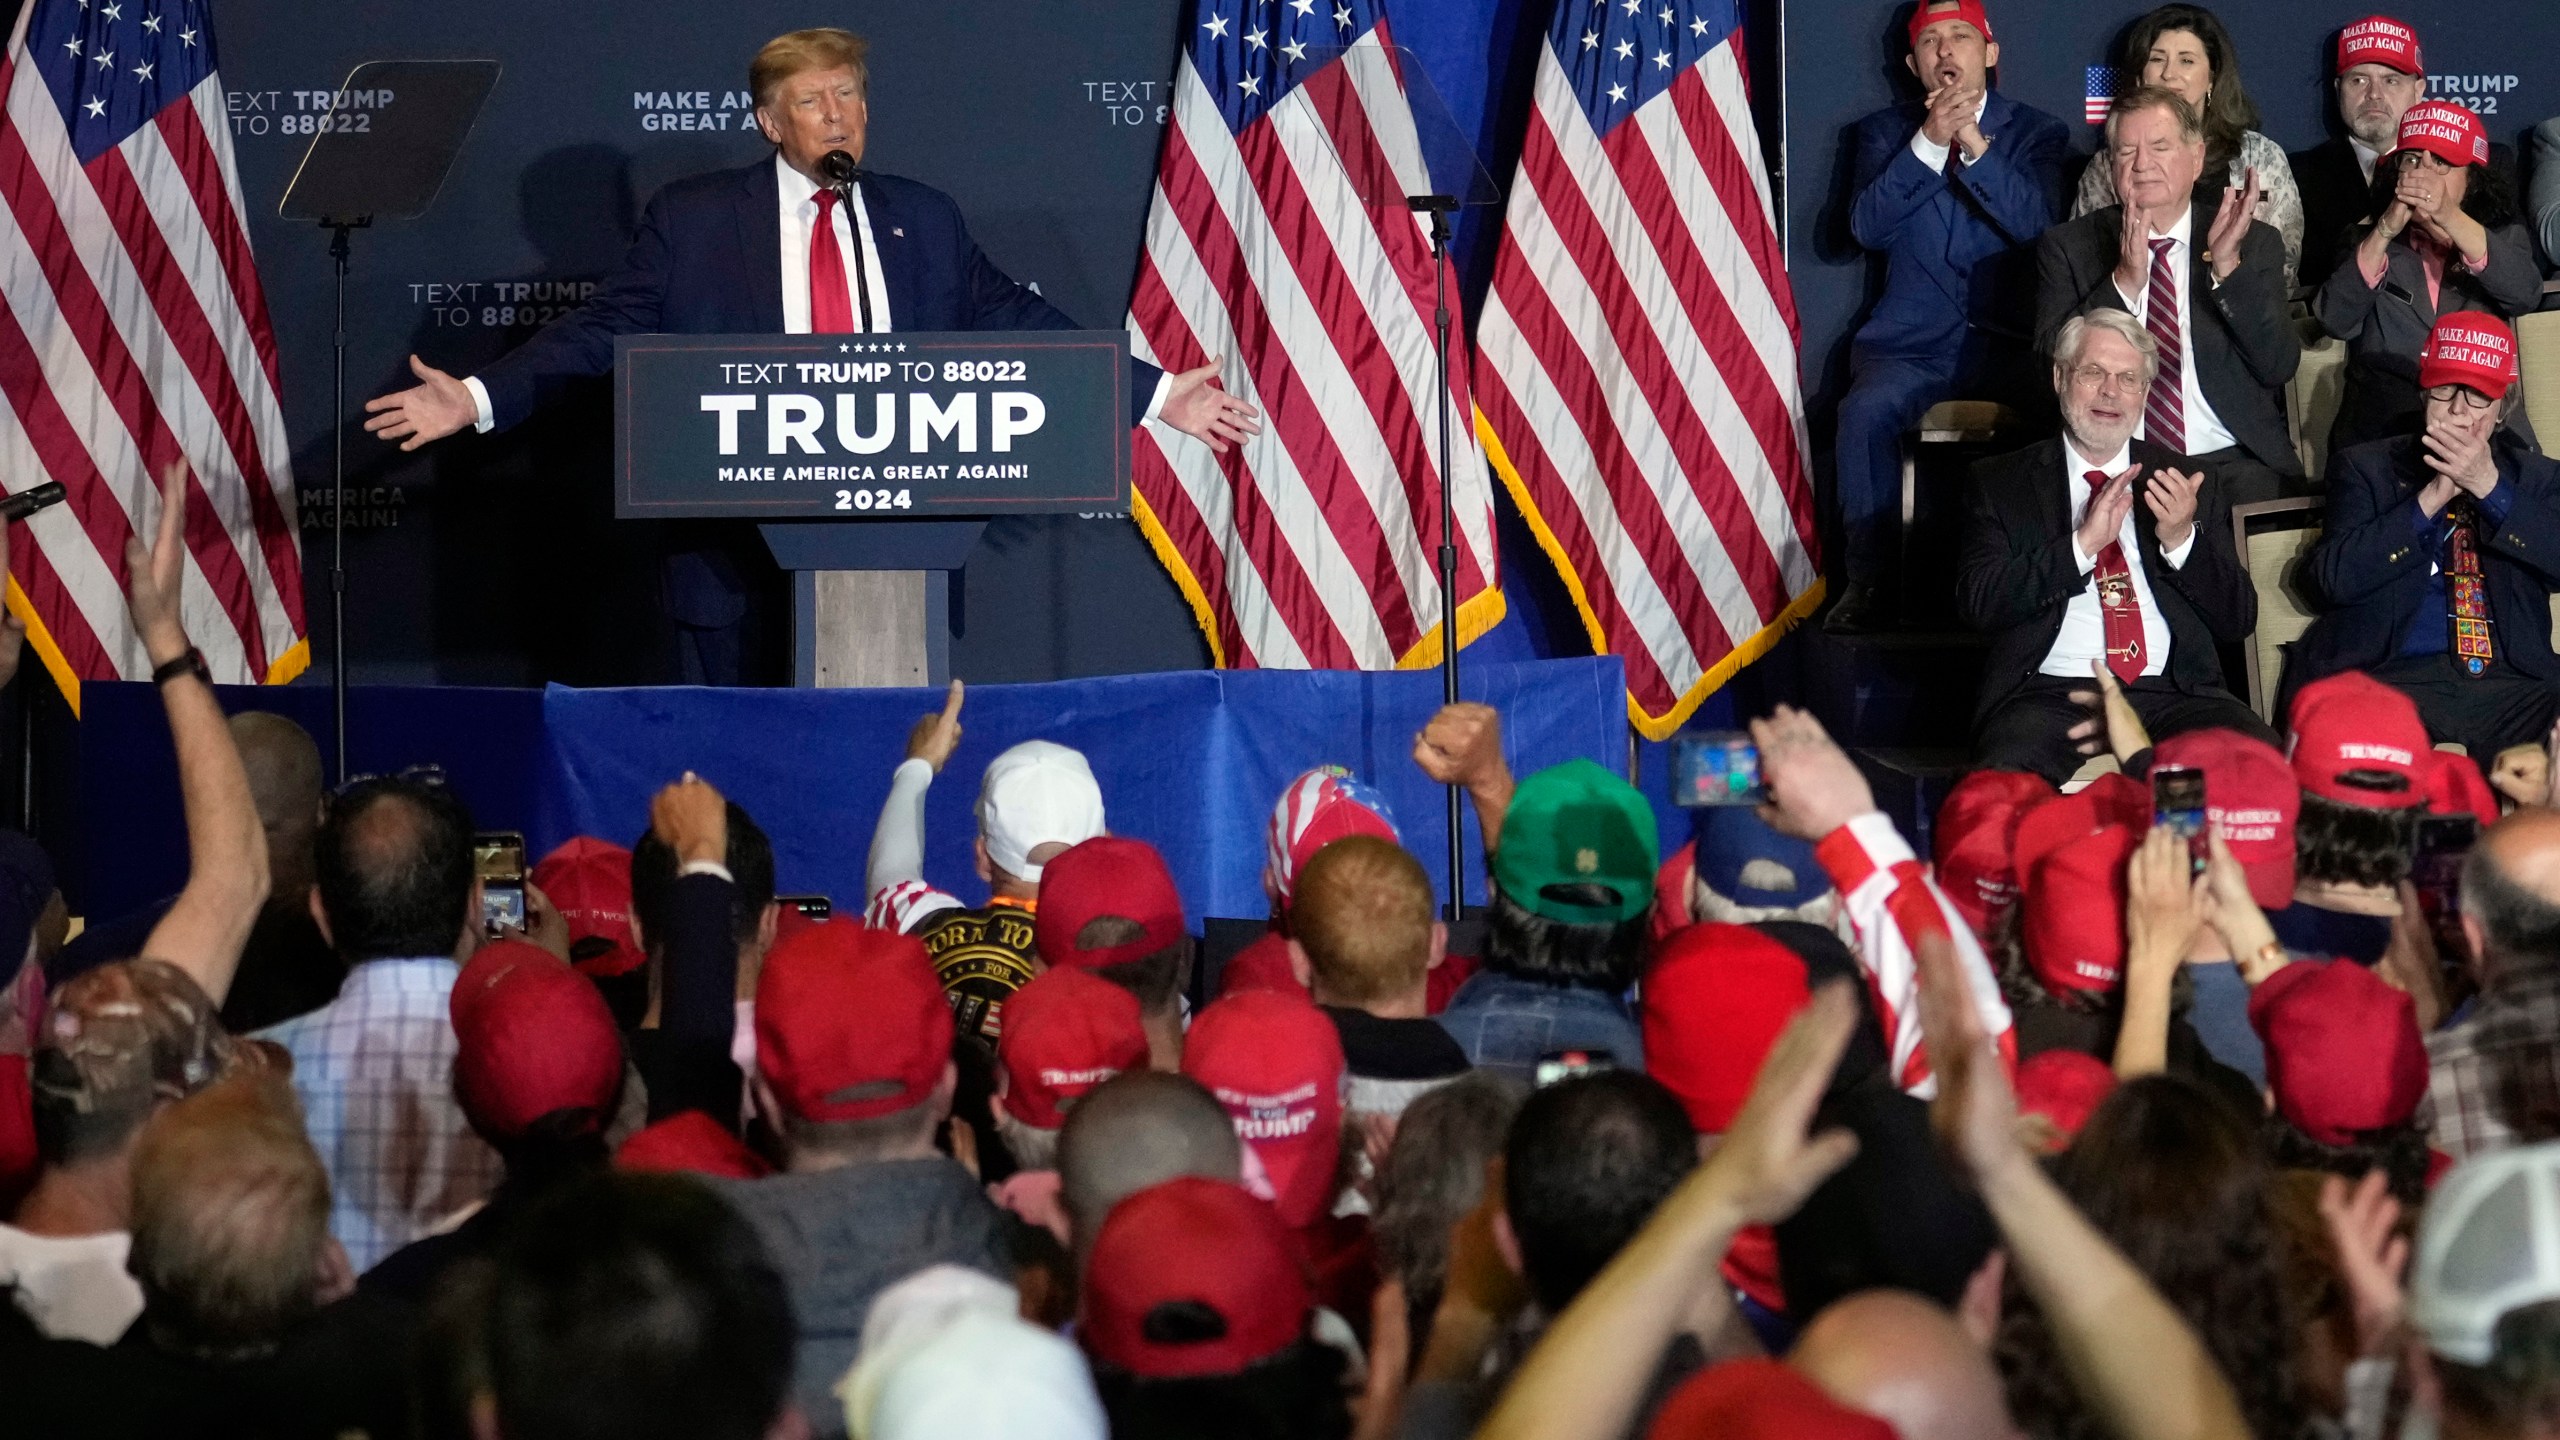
[
  {"x": 2441, "y": 553},
  {"x": 1953, "y": 191},
  {"x": 762, "y": 250}
]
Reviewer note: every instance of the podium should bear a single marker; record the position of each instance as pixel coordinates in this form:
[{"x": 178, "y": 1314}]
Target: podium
[{"x": 871, "y": 464}]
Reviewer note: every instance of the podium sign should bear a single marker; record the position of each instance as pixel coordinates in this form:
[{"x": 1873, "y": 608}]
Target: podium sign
[{"x": 852, "y": 427}]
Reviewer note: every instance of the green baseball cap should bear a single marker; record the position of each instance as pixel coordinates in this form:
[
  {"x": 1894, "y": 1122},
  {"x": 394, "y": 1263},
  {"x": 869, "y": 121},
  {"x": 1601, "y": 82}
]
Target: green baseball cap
[{"x": 1571, "y": 827}]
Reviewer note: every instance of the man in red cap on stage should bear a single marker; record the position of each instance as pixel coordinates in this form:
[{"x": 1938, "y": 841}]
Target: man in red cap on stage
[
  {"x": 2441, "y": 554},
  {"x": 2379, "y": 73}
]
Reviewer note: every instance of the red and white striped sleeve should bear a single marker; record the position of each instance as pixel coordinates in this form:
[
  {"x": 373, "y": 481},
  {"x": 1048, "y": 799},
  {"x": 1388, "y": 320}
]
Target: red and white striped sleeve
[
  {"x": 901, "y": 906},
  {"x": 1892, "y": 902}
]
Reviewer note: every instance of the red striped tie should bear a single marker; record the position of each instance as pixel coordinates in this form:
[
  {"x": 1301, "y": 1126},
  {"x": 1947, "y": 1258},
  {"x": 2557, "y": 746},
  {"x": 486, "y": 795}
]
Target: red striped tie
[
  {"x": 830, "y": 299},
  {"x": 2164, "y": 414},
  {"x": 2119, "y": 609}
]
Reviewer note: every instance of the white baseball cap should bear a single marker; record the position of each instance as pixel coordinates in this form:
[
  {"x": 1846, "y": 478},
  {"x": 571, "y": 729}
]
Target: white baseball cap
[
  {"x": 1037, "y": 793},
  {"x": 947, "y": 1356},
  {"x": 2489, "y": 1246}
]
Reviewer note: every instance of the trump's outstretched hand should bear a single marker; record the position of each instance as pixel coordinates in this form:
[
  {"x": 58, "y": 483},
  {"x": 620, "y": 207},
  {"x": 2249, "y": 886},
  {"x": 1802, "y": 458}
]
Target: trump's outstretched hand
[
  {"x": 430, "y": 410},
  {"x": 1197, "y": 407}
]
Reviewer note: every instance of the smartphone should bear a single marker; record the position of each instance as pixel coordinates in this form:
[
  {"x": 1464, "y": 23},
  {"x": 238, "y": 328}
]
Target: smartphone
[
  {"x": 1715, "y": 767},
  {"x": 811, "y": 907},
  {"x": 2177, "y": 801},
  {"x": 1557, "y": 1065},
  {"x": 497, "y": 857},
  {"x": 2435, "y": 866}
]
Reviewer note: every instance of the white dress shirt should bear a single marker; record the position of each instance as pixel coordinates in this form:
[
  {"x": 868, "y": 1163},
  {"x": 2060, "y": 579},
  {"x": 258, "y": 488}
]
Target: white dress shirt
[
  {"x": 2365, "y": 156},
  {"x": 1933, "y": 154},
  {"x": 2084, "y": 626},
  {"x": 2205, "y": 431}
]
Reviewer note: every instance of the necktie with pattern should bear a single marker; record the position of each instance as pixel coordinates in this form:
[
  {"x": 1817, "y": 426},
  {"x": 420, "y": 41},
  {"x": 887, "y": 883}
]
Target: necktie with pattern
[
  {"x": 830, "y": 299},
  {"x": 2466, "y": 603},
  {"x": 2164, "y": 412},
  {"x": 2118, "y": 606}
]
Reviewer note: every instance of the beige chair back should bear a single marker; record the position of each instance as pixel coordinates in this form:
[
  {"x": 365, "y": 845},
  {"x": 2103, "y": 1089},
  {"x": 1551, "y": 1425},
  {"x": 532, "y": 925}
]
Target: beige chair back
[
  {"x": 2311, "y": 400},
  {"x": 2272, "y": 536},
  {"x": 2538, "y": 341}
]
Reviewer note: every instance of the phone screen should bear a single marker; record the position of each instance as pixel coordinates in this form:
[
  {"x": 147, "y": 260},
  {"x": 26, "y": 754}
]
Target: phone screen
[
  {"x": 811, "y": 907},
  {"x": 497, "y": 857},
  {"x": 1715, "y": 767},
  {"x": 2177, "y": 801},
  {"x": 1559, "y": 1065},
  {"x": 2435, "y": 870}
]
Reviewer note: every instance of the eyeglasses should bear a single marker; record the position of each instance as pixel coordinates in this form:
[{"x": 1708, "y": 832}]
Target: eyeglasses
[
  {"x": 432, "y": 775},
  {"x": 2093, "y": 377},
  {"x": 2461, "y": 397}
]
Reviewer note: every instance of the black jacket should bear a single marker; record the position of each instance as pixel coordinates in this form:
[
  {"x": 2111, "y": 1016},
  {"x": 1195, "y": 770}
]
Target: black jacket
[
  {"x": 2370, "y": 570},
  {"x": 2019, "y": 573},
  {"x": 2243, "y": 346},
  {"x": 2336, "y": 197}
]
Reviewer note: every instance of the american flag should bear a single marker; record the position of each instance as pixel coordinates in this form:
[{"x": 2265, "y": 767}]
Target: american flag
[
  {"x": 133, "y": 333},
  {"x": 1271, "y": 242},
  {"x": 2100, "y": 96},
  {"x": 1637, "y": 356}
]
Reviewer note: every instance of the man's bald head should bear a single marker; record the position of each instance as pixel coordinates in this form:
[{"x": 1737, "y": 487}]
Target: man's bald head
[
  {"x": 1141, "y": 1128},
  {"x": 1902, "y": 1359},
  {"x": 2511, "y": 894},
  {"x": 284, "y": 782}
]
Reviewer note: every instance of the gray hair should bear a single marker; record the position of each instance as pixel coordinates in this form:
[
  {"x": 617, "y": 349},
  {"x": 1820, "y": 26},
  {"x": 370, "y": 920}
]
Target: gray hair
[
  {"x": 2156, "y": 97},
  {"x": 2074, "y": 339}
]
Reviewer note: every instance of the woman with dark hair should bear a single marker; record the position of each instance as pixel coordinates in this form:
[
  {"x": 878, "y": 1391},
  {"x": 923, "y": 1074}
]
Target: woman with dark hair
[
  {"x": 2172, "y": 1175},
  {"x": 2184, "y": 49},
  {"x": 2442, "y": 234}
]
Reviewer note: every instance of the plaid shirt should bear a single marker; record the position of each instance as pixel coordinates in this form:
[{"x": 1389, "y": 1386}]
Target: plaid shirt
[
  {"x": 374, "y": 1070},
  {"x": 2499, "y": 1066}
]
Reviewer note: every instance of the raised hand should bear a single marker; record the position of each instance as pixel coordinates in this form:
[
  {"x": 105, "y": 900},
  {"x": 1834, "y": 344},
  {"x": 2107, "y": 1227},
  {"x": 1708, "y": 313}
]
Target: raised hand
[
  {"x": 2172, "y": 498},
  {"x": 2113, "y": 722},
  {"x": 2364, "y": 1226},
  {"x": 2231, "y": 226},
  {"x": 1767, "y": 1162},
  {"x": 2133, "y": 240},
  {"x": 432, "y": 409},
  {"x": 1950, "y": 113},
  {"x": 155, "y": 577},
  {"x": 2461, "y": 454},
  {"x": 1197, "y": 407},
  {"x": 2103, "y": 521},
  {"x": 1461, "y": 745},
  {"x": 2234, "y": 914},
  {"x": 2522, "y": 773},
  {"x": 1814, "y": 787},
  {"x": 936, "y": 736},
  {"x": 2163, "y": 905},
  {"x": 692, "y": 819}
]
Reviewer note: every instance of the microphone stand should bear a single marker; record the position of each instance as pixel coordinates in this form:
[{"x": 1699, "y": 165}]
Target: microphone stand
[
  {"x": 843, "y": 174},
  {"x": 1438, "y": 208}
]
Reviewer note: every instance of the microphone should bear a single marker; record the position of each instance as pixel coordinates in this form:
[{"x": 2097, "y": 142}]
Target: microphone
[
  {"x": 838, "y": 168},
  {"x": 842, "y": 173}
]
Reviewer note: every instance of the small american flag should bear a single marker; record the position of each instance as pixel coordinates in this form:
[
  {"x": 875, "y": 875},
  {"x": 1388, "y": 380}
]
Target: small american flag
[
  {"x": 1637, "y": 357},
  {"x": 2104, "y": 81},
  {"x": 133, "y": 333},
  {"x": 1312, "y": 545}
]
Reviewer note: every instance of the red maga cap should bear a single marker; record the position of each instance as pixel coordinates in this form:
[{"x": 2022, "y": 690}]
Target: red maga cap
[
  {"x": 690, "y": 1143},
  {"x": 2065, "y": 1087},
  {"x": 851, "y": 1023},
  {"x": 1930, "y": 12},
  {"x": 2251, "y": 797},
  {"x": 2455, "y": 786},
  {"x": 2073, "y": 903},
  {"x": 1759, "y": 1399},
  {"x": 532, "y": 1036},
  {"x": 2380, "y": 40},
  {"x": 2343, "y": 1052},
  {"x": 589, "y": 881},
  {"x": 2353, "y": 722},
  {"x": 1192, "y": 1277},
  {"x": 1064, "y": 1033},
  {"x": 1715, "y": 999},
  {"x": 1107, "y": 877},
  {"x": 1976, "y": 828},
  {"x": 2445, "y": 130},
  {"x": 1275, "y": 1062},
  {"x": 2470, "y": 347}
]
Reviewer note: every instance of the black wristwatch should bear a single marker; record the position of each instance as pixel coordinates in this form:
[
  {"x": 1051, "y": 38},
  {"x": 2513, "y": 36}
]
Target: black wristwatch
[{"x": 191, "y": 663}]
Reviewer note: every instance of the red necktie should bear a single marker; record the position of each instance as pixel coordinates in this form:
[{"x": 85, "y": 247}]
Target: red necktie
[
  {"x": 2118, "y": 607},
  {"x": 830, "y": 299},
  {"x": 2164, "y": 414}
]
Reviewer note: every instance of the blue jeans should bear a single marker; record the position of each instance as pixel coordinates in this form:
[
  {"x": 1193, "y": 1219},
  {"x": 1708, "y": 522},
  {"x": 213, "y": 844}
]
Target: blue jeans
[{"x": 1507, "y": 1024}]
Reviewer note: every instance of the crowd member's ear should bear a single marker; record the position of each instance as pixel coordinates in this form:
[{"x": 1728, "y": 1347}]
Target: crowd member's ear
[
  {"x": 768, "y": 1104},
  {"x": 1505, "y": 1239},
  {"x": 986, "y": 867},
  {"x": 945, "y": 1088},
  {"x": 1978, "y": 1309},
  {"x": 768, "y": 925},
  {"x": 1439, "y": 944},
  {"x": 1301, "y": 966},
  {"x": 320, "y": 918},
  {"x": 337, "y": 1274},
  {"x": 2475, "y": 940}
]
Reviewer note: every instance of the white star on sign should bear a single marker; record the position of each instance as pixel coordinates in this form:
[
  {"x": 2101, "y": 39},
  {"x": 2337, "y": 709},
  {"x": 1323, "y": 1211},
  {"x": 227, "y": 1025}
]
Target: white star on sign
[
  {"x": 1342, "y": 17},
  {"x": 151, "y": 23},
  {"x": 1662, "y": 60},
  {"x": 1251, "y": 85},
  {"x": 105, "y": 58},
  {"x": 1626, "y": 50},
  {"x": 1698, "y": 26},
  {"x": 1217, "y": 27},
  {"x": 72, "y": 45},
  {"x": 97, "y": 107},
  {"x": 1296, "y": 50},
  {"x": 113, "y": 12},
  {"x": 844, "y": 349},
  {"x": 1618, "y": 93},
  {"x": 1590, "y": 39},
  {"x": 1303, "y": 7},
  {"x": 143, "y": 70},
  {"x": 188, "y": 37},
  {"x": 1635, "y": 6},
  {"x": 1258, "y": 39},
  {"x": 1666, "y": 15}
]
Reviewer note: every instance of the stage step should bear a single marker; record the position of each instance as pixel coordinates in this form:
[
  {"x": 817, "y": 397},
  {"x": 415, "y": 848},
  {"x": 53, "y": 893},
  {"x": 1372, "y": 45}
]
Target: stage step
[
  {"x": 1898, "y": 688},
  {"x": 1910, "y": 783}
]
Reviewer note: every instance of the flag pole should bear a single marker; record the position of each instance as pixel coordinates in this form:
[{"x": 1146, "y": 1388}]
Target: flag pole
[{"x": 1438, "y": 208}]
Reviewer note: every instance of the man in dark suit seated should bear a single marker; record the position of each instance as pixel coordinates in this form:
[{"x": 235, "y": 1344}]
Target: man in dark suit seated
[
  {"x": 2070, "y": 576},
  {"x": 768, "y": 249},
  {"x": 1951, "y": 190},
  {"x": 2204, "y": 278},
  {"x": 2441, "y": 553}
]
